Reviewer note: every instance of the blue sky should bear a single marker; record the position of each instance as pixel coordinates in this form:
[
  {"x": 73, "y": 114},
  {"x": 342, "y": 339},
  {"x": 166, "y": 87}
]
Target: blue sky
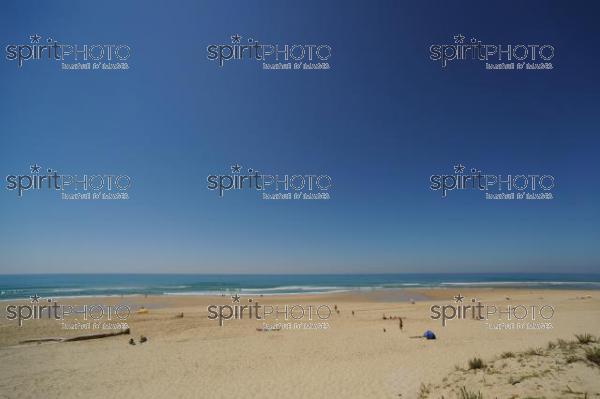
[{"x": 380, "y": 122}]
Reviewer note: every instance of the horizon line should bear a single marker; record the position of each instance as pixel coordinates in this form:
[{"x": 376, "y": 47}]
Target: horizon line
[{"x": 286, "y": 274}]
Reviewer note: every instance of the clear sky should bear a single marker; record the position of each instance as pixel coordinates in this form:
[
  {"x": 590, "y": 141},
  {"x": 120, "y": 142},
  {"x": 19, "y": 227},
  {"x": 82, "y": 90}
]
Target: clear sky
[{"x": 380, "y": 122}]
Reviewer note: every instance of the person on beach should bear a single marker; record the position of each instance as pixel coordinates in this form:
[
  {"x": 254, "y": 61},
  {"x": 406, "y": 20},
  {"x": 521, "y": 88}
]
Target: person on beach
[{"x": 400, "y": 324}]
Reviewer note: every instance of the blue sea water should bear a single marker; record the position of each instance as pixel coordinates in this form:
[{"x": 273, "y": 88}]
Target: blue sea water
[{"x": 69, "y": 285}]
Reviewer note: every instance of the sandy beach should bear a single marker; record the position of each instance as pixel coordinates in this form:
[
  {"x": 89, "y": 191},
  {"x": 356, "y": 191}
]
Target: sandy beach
[{"x": 360, "y": 355}]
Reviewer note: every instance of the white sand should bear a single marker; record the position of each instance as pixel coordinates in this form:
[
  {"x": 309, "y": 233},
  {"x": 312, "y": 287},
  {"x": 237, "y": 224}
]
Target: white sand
[{"x": 193, "y": 357}]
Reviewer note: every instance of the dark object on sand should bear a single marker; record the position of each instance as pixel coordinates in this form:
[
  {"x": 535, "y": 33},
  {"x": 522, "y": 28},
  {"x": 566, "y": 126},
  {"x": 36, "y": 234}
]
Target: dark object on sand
[
  {"x": 40, "y": 340},
  {"x": 96, "y": 336},
  {"x": 179, "y": 315},
  {"x": 143, "y": 339},
  {"x": 78, "y": 338},
  {"x": 384, "y": 330},
  {"x": 353, "y": 313},
  {"x": 131, "y": 341},
  {"x": 429, "y": 335},
  {"x": 400, "y": 324}
]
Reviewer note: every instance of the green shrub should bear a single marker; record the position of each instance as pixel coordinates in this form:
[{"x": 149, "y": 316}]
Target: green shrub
[
  {"x": 466, "y": 394},
  {"x": 593, "y": 355},
  {"x": 476, "y": 363},
  {"x": 585, "y": 339},
  {"x": 535, "y": 352}
]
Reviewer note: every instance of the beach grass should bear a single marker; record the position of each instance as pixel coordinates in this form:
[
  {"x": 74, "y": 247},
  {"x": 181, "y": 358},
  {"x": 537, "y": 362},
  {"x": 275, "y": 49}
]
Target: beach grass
[
  {"x": 464, "y": 393},
  {"x": 593, "y": 355},
  {"x": 586, "y": 338},
  {"x": 476, "y": 363}
]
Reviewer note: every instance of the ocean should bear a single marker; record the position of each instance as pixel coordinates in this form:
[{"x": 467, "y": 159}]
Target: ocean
[{"x": 72, "y": 285}]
